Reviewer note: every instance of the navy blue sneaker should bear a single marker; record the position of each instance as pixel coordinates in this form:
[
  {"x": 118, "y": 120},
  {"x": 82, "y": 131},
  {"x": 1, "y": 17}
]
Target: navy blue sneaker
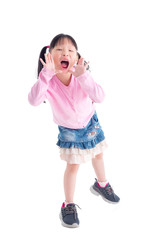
[
  {"x": 106, "y": 192},
  {"x": 69, "y": 216}
]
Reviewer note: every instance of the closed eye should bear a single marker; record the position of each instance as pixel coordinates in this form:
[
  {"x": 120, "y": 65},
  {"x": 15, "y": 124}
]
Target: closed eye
[{"x": 59, "y": 49}]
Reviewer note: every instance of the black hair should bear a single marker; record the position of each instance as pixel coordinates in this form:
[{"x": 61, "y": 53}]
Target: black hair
[
  {"x": 57, "y": 39},
  {"x": 41, "y": 55}
]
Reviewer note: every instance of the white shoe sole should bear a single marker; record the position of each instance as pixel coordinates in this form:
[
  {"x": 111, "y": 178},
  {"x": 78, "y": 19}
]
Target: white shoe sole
[
  {"x": 74, "y": 225},
  {"x": 98, "y": 194}
]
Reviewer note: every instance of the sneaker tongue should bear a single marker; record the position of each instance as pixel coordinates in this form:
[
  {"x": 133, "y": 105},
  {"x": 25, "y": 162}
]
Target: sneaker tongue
[
  {"x": 108, "y": 185},
  {"x": 70, "y": 204}
]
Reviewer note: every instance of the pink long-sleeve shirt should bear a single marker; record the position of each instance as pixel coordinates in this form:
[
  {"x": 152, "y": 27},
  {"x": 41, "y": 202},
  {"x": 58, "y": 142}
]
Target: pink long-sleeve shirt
[{"x": 73, "y": 105}]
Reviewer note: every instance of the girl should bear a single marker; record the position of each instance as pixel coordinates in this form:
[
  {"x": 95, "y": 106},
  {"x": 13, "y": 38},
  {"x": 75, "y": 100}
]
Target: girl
[{"x": 64, "y": 80}]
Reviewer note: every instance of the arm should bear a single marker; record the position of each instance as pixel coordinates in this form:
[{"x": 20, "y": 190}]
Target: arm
[
  {"x": 38, "y": 92},
  {"x": 94, "y": 90},
  {"x": 87, "y": 83}
]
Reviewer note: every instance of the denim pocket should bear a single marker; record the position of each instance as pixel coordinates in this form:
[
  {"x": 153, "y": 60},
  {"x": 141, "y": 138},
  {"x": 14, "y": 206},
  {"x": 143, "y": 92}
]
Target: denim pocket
[{"x": 66, "y": 134}]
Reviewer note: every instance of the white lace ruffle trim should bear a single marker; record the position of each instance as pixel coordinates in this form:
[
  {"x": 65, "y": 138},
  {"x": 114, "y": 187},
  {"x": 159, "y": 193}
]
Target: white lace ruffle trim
[{"x": 78, "y": 156}]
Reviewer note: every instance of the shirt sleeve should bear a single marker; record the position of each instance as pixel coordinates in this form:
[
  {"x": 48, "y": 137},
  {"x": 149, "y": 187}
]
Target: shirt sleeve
[
  {"x": 38, "y": 92},
  {"x": 94, "y": 90}
]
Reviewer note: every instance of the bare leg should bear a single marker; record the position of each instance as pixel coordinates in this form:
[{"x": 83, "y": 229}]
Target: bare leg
[
  {"x": 98, "y": 165},
  {"x": 70, "y": 181}
]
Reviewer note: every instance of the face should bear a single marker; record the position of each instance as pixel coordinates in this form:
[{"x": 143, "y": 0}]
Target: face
[{"x": 64, "y": 55}]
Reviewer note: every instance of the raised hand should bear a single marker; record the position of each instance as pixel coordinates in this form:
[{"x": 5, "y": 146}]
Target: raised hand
[
  {"x": 80, "y": 68},
  {"x": 49, "y": 63}
]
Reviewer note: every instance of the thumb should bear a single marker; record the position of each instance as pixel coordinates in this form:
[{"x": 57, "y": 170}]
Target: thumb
[{"x": 72, "y": 70}]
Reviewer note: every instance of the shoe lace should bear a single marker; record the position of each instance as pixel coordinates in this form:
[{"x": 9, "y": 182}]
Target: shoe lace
[
  {"x": 71, "y": 209},
  {"x": 109, "y": 190}
]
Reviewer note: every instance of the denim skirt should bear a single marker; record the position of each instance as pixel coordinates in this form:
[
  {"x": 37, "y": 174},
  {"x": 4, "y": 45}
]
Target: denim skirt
[{"x": 80, "y": 145}]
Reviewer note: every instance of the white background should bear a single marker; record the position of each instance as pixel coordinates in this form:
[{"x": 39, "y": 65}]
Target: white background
[{"x": 121, "y": 39}]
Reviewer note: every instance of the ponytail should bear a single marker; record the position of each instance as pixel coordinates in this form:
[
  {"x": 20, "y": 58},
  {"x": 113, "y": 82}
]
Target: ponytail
[
  {"x": 40, "y": 65},
  {"x": 79, "y": 56}
]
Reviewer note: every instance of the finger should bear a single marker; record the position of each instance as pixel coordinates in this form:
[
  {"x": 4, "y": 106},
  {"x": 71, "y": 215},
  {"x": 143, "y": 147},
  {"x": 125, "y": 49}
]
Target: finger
[
  {"x": 51, "y": 57},
  {"x": 81, "y": 61},
  {"x": 43, "y": 63},
  {"x": 48, "y": 55},
  {"x": 46, "y": 58}
]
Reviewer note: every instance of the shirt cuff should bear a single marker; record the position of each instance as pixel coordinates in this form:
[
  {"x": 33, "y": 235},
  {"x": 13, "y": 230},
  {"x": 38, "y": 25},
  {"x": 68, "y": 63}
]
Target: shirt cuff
[{"x": 48, "y": 72}]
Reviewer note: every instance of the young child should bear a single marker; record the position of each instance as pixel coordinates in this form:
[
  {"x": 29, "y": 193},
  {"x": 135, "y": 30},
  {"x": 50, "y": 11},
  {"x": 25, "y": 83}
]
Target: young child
[{"x": 64, "y": 80}]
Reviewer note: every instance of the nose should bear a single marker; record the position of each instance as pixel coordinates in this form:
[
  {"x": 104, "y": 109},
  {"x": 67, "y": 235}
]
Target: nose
[{"x": 65, "y": 52}]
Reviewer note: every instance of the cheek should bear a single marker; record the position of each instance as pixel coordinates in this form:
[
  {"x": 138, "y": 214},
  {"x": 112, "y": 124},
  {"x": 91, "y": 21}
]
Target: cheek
[
  {"x": 56, "y": 60},
  {"x": 74, "y": 60},
  {"x": 55, "y": 57}
]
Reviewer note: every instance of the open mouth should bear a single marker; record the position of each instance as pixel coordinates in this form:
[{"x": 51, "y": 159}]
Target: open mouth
[{"x": 64, "y": 64}]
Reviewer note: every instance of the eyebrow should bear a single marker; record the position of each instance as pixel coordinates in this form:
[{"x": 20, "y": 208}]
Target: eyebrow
[{"x": 70, "y": 47}]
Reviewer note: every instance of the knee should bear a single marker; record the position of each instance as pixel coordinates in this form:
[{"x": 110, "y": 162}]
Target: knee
[
  {"x": 99, "y": 156},
  {"x": 72, "y": 168}
]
